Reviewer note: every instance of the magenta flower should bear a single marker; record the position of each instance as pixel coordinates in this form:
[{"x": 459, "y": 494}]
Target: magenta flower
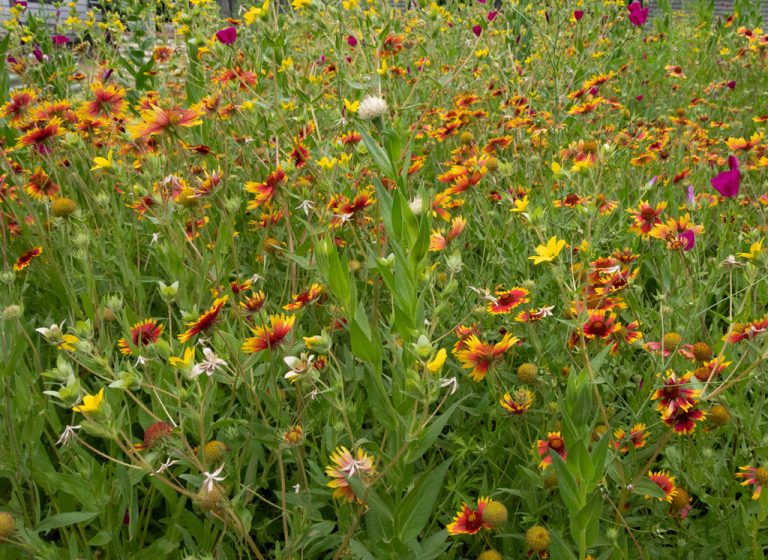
[
  {"x": 731, "y": 84},
  {"x": 637, "y": 14},
  {"x": 37, "y": 53},
  {"x": 578, "y": 14},
  {"x": 227, "y": 36},
  {"x": 728, "y": 182},
  {"x": 492, "y": 15},
  {"x": 351, "y": 41},
  {"x": 477, "y": 30},
  {"x": 690, "y": 239},
  {"x": 60, "y": 39}
]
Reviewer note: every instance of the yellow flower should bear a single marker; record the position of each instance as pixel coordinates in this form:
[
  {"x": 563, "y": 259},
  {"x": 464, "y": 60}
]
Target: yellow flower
[
  {"x": 383, "y": 69},
  {"x": 91, "y": 403},
  {"x": 255, "y": 13},
  {"x": 521, "y": 204},
  {"x": 350, "y": 4},
  {"x": 185, "y": 361},
  {"x": 481, "y": 53},
  {"x": 548, "y": 252},
  {"x": 101, "y": 163},
  {"x": 299, "y": 5},
  {"x": 437, "y": 362},
  {"x": 352, "y": 106},
  {"x": 755, "y": 250},
  {"x": 556, "y": 169},
  {"x": 327, "y": 164},
  {"x": 67, "y": 342}
]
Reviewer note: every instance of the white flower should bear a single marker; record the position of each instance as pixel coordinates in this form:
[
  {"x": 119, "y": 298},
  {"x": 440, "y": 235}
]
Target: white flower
[
  {"x": 209, "y": 479},
  {"x": 299, "y": 366},
  {"x": 297, "y": 488},
  {"x": 416, "y": 205},
  {"x": 209, "y": 365},
  {"x": 67, "y": 435},
  {"x": 452, "y": 383},
  {"x": 307, "y": 206},
  {"x": 372, "y": 107},
  {"x": 53, "y": 333},
  {"x": 168, "y": 463}
]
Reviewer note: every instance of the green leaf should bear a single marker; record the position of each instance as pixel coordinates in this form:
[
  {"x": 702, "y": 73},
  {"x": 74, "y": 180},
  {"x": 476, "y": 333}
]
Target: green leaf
[
  {"x": 599, "y": 458},
  {"x": 579, "y": 461},
  {"x": 559, "y": 549},
  {"x": 566, "y": 483},
  {"x": 646, "y": 487},
  {"x": 63, "y": 519},
  {"x": 101, "y": 538},
  {"x": 414, "y": 511},
  {"x": 425, "y": 440},
  {"x": 380, "y": 157}
]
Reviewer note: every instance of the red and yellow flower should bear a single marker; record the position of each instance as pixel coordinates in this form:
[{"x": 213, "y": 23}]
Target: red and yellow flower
[
  {"x": 143, "y": 334},
  {"x": 205, "y": 321},
  {"x": 269, "y": 337},
  {"x": 469, "y": 521},
  {"x": 554, "y": 442},
  {"x": 26, "y": 258},
  {"x": 635, "y": 439},
  {"x": 506, "y": 300},
  {"x": 663, "y": 480},
  {"x": 479, "y": 356},
  {"x": 518, "y": 403},
  {"x": 756, "y": 476}
]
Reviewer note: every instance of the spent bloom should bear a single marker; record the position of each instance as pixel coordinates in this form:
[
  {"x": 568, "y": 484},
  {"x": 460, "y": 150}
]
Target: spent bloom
[
  {"x": 344, "y": 465},
  {"x": 372, "y": 107}
]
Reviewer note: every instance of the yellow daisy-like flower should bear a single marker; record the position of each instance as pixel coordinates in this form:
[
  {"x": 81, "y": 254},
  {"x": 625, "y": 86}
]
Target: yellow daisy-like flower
[
  {"x": 548, "y": 252},
  {"x": 91, "y": 403}
]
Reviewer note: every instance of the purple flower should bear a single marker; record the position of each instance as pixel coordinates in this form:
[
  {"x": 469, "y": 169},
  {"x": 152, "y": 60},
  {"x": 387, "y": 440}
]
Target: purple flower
[
  {"x": 60, "y": 39},
  {"x": 12, "y": 60},
  {"x": 482, "y": 1},
  {"x": 637, "y": 14},
  {"x": 37, "y": 53},
  {"x": 351, "y": 41},
  {"x": 578, "y": 14},
  {"x": 691, "y": 195},
  {"x": 731, "y": 84},
  {"x": 728, "y": 182},
  {"x": 690, "y": 239},
  {"x": 21, "y": 3},
  {"x": 227, "y": 36},
  {"x": 107, "y": 75},
  {"x": 477, "y": 30}
]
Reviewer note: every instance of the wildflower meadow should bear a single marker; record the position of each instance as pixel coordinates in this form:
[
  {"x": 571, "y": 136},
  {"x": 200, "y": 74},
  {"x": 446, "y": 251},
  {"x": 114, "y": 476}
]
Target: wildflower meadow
[{"x": 323, "y": 280}]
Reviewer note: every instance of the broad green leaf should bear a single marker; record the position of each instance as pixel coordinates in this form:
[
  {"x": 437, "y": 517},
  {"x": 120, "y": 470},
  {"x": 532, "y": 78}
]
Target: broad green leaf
[
  {"x": 415, "y": 510},
  {"x": 63, "y": 519},
  {"x": 646, "y": 487},
  {"x": 566, "y": 483}
]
